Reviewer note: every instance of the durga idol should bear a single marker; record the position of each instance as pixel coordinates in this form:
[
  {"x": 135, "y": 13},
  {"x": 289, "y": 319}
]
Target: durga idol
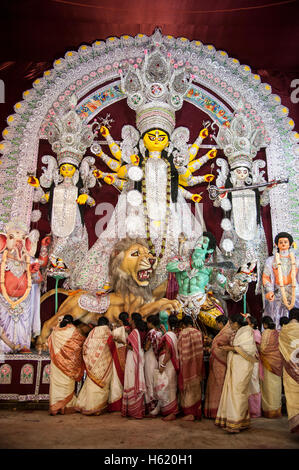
[{"x": 152, "y": 167}]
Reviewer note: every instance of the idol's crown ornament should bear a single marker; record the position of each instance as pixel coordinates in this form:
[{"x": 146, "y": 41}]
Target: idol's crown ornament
[
  {"x": 155, "y": 91},
  {"x": 69, "y": 135},
  {"x": 241, "y": 140}
]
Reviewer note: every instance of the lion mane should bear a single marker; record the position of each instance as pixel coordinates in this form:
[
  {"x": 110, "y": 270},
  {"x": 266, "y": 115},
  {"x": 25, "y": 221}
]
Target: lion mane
[{"x": 121, "y": 281}]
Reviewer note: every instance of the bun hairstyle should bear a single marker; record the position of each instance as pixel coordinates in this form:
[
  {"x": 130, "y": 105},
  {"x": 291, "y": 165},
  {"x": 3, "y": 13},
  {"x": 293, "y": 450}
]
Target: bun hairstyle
[
  {"x": 253, "y": 321},
  {"x": 269, "y": 322},
  {"x": 67, "y": 320},
  {"x": 139, "y": 323},
  {"x": 221, "y": 319},
  {"x": 283, "y": 321},
  {"x": 136, "y": 317},
  {"x": 238, "y": 318},
  {"x": 124, "y": 317},
  {"x": 103, "y": 321},
  {"x": 154, "y": 320},
  {"x": 187, "y": 320},
  {"x": 294, "y": 314},
  {"x": 173, "y": 321}
]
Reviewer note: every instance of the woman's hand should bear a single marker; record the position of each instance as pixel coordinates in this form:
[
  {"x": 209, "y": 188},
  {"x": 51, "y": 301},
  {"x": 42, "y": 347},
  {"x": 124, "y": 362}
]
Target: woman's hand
[{"x": 227, "y": 348}]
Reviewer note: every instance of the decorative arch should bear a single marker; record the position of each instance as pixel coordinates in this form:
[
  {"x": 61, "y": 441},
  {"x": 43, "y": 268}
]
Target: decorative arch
[{"x": 94, "y": 69}]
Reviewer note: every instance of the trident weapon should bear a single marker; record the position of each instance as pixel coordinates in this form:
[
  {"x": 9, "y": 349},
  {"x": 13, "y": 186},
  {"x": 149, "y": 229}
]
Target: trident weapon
[{"x": 214, "y": 191}]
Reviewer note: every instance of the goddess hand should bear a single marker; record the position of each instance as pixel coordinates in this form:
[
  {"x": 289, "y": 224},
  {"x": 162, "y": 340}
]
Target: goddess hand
[
  {"x": 109, "y": 179},
  {"x": 135, "y": 159},
  {"x": 45, "y": 197},
  {"x": 97, "y": 173},
  {"x": 196, "y": 198},
  {"x": 272, "y": 185},
  {"x": 204, "y": 133},
  {"x": 209, "y": 177},
  {"x": 104, "y": 131},
  {"x": 82, "y": 199},
  {"x": 212, "y": 153},
  {"x": 33, "y": 181}
]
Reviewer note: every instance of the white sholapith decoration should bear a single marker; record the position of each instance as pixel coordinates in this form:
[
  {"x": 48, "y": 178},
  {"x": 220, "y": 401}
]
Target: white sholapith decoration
[
  {"x": 226, "y": 224},
  {"x": 134, "y": 198},
  {"x": 36, "y": 215},
  {"x": 227, "y": 245},
  {"x": 135, "y": 173},
  {"x": 226, "y": 204}
]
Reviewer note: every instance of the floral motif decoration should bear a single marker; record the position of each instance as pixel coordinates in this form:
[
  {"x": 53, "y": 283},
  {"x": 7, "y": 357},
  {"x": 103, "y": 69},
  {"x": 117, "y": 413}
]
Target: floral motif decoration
[
  {"x": 5, "y": 374},
  {"x": 27, "y": 374},
  {"x": 46, "y": 374}
]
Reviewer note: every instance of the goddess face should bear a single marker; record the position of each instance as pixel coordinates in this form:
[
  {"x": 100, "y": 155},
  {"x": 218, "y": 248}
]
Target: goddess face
[
  {"x": 155, "y": 140},
  {"x": 241, "y": 173},
  {"x": 67, "y": 170}
]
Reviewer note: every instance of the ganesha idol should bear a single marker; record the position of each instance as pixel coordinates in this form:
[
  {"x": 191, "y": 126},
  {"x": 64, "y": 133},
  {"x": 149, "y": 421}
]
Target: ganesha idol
[{"x": 19, "y": 289}]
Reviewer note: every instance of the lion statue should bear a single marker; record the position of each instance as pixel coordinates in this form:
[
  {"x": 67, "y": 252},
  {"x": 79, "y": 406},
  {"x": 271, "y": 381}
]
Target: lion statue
[{"x": 131, "y": 267}]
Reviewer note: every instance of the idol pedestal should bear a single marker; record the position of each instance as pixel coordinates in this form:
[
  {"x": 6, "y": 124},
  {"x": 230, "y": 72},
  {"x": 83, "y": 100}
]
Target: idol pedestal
[{"x": 24, "y": 377}]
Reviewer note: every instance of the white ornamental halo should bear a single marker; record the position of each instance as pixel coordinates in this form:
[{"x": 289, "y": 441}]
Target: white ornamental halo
[
  {"x": 135, "y": 173},
  {"x": 134, "y": 198}
]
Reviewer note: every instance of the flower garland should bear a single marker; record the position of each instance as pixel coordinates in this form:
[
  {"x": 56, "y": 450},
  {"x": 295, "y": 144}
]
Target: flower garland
[
  {"x": 280, "y": 279},
  {"x": 12, "y": 303},
  {"x": 147, "y": 219}
]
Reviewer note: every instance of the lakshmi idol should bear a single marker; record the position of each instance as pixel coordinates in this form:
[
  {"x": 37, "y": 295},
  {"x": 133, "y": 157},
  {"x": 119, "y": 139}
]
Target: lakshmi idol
[{"x": 66, "y": 181}]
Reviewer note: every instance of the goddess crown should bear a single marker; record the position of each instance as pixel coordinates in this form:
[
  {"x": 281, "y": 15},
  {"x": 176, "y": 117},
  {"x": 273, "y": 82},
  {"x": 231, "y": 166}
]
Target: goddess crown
[
  {"x": 241, "y": 140},
  {"x": 155, "y": 92},
  {"x": 69, "y": 135}
]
